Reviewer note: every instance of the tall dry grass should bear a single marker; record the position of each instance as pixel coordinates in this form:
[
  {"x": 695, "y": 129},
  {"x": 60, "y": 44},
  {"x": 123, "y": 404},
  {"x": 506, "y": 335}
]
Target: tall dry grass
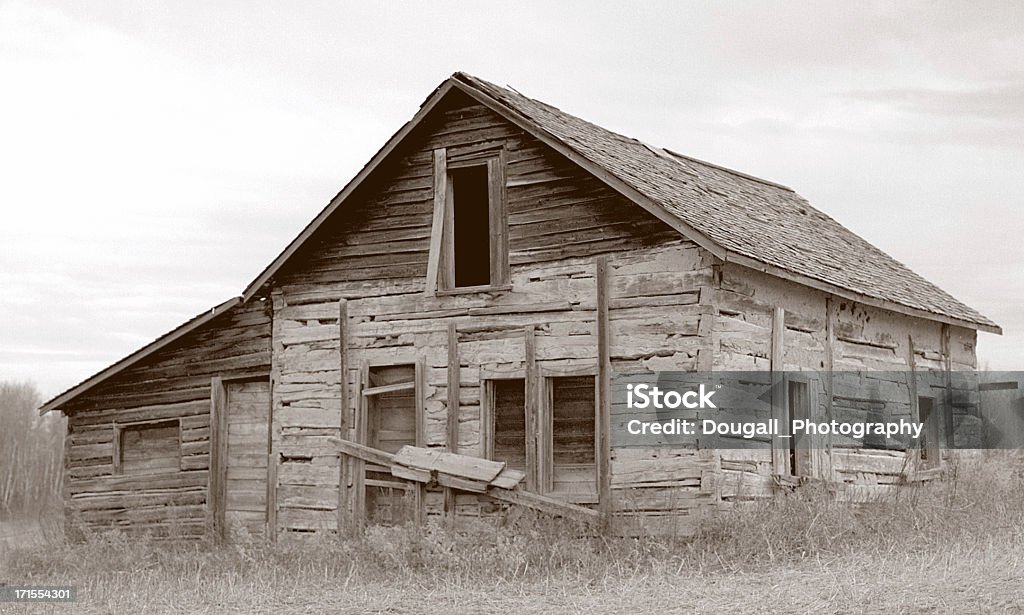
[
  {"x": 949, "y": 546},
  {"x": 31, "y": 452}
]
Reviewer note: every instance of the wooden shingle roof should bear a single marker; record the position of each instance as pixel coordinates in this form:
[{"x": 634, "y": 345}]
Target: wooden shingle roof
[{"x": 749, "y": 220}]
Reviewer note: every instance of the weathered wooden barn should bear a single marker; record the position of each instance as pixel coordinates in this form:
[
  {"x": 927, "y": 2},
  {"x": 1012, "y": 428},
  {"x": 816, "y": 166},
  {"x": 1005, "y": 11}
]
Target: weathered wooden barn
[{"x": 471, "y": 291}]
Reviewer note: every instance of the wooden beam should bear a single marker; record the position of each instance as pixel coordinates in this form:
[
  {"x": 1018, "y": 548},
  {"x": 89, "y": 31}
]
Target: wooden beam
[
  {"x": 780, "y": 447},
  {"x": 452, "y": 432},
  {"x": 273, "y": 459},
  {"x": 357, "y": 468},
  {"x": 604, "y": 403},
  {"x": 498, "y": 220},
  {"x": 547, "y": 505},
  {"x": 217, "y": 494},
  {"x": 389, "y": 388},
  {"x": 438, "y": 221},
  {"x": 344, "y": 519},
  {"x": 532, "y": 420},
  {"x": 947, "y": 368},
  {"x": 831, "y": 312},
  {"x": 362, "y": 452}
]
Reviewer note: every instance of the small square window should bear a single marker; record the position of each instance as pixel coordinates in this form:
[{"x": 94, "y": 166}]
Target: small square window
[{"x": 148, "y": 448}]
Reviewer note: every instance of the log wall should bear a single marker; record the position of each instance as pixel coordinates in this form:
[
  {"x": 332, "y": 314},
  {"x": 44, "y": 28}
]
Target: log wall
[{"x": 171, "y": 385}]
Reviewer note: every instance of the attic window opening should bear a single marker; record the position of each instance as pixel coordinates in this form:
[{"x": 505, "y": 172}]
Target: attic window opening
[
  {"x": 469, "y": 232},
  {"x": 471, "y": 259}
]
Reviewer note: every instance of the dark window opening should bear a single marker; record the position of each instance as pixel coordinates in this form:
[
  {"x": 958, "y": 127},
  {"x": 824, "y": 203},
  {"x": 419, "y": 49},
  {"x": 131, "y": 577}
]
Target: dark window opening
[
  {"x": 471, "y": 226},
  {"x": 509, "y": 416},
  {"x": 799, "y": 449},
  {"x": 929, "y": 418}
]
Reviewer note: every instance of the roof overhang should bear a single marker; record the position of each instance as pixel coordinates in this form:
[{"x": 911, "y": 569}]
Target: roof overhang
[{"x": 845, "y": 293}]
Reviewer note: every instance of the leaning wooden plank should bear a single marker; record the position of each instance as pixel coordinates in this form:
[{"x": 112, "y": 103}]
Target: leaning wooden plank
[
  {"x": 545, "y": 504},
  {"x": 417, "y": 457},
  {"x": 359, "y": 451},
  {"x": 469, "y": 467},
  {"x": 463, "y": 466},
  {"x": 415, "y": 474},
  {"x": 508, "y": 479},
  {"x": 462, "y": 484}
]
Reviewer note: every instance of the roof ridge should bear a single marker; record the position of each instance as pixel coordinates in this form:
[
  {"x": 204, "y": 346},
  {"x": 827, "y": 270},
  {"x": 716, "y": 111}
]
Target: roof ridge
[
  {"x": 673, "y": 156},
  {"x": 759, "y": 180}
]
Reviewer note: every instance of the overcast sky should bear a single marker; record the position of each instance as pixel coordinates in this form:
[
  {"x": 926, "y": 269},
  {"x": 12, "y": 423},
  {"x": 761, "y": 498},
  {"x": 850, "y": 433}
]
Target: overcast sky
[{"x": 155, "y": 156}]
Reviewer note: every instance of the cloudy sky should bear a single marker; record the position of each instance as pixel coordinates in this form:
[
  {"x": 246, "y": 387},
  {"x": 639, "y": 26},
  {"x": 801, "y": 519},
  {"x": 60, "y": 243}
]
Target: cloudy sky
[{"x": 155, "y": 156}]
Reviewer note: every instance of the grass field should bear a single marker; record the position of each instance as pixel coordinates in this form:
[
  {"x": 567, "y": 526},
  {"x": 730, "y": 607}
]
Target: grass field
[{"x": 948, "y": 547}]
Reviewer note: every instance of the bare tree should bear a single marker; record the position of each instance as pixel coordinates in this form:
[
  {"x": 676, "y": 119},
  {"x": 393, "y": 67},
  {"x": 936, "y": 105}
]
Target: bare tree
[{"x": 31, "y": 451}]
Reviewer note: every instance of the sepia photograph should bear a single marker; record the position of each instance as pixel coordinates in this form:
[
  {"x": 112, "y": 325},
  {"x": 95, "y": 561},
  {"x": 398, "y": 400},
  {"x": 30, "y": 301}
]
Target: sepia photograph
[{"x": 511, "y": 307}]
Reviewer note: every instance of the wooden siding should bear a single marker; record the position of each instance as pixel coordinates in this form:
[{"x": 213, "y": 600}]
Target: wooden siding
[
  {"x": 248, "y": 408},
  {"x": 173, "y": 384}
]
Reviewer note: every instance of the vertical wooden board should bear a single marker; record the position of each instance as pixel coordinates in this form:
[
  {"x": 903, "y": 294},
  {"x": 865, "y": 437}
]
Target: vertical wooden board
[
  {"x": 603, "y": 393},
  {"x": 452, "y": 440},
  {"x": 218, "y": 456},
  {"x": 532, "y": 399},
  {"x": 780, "y": 454},
  {"x": 498, "y": 219},
  {"x": 438, "y": 220},
  {"x": 947, "y": 403},
  {"x": 343, "y": 461}
]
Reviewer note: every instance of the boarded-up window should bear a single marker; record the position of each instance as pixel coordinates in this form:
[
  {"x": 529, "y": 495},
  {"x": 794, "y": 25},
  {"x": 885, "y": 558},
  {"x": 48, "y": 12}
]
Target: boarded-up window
[
  {"x": 573, "y": 438},
  {"x": 507, "y": 403},
  {"x": 148, "y": 448}
]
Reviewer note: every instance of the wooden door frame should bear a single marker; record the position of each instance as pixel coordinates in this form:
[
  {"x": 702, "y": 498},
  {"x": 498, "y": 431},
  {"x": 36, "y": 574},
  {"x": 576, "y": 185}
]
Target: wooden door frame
[{"x": 216, "y": 494}]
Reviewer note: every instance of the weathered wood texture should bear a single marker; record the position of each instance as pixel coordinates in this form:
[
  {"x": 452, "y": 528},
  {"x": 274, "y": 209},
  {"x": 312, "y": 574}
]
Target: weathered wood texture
[
  {"x": 248, "y": 446},
  {"x": 173, "y": 384},
  {"x": 375, "y": 257},
  {"x": 663, "y": 304}
]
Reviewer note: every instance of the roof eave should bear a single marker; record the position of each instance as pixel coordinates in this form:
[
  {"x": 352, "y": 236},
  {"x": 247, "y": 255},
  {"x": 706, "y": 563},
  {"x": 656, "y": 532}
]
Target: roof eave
[{"x": 839, "y": 291}]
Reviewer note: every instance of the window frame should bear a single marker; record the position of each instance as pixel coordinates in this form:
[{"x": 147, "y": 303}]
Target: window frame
[
  {"x": 117, "y": 455},
  {"x": 441, "y": 256},
  {"x": 488, "y": 415},
  {"x": 545, "y": 439}
]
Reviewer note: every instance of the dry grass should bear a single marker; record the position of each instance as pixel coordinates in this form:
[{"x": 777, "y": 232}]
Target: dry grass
[{"x": 946, "y": 547}]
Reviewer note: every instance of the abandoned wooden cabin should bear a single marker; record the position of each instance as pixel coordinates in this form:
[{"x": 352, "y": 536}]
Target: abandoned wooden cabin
[{"x": 471, "y": 291}]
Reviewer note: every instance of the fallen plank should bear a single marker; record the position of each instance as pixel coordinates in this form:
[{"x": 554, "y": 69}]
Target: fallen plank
[
  {"x": 546, "y": 505},
  {"x": 359, "y": 451},
  {"x": 463, "y": 466},
  {"x": 509, "y": 478}
]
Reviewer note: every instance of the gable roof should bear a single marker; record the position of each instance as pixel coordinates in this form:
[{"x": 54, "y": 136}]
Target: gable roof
[{"x": 739, "y": 218}]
